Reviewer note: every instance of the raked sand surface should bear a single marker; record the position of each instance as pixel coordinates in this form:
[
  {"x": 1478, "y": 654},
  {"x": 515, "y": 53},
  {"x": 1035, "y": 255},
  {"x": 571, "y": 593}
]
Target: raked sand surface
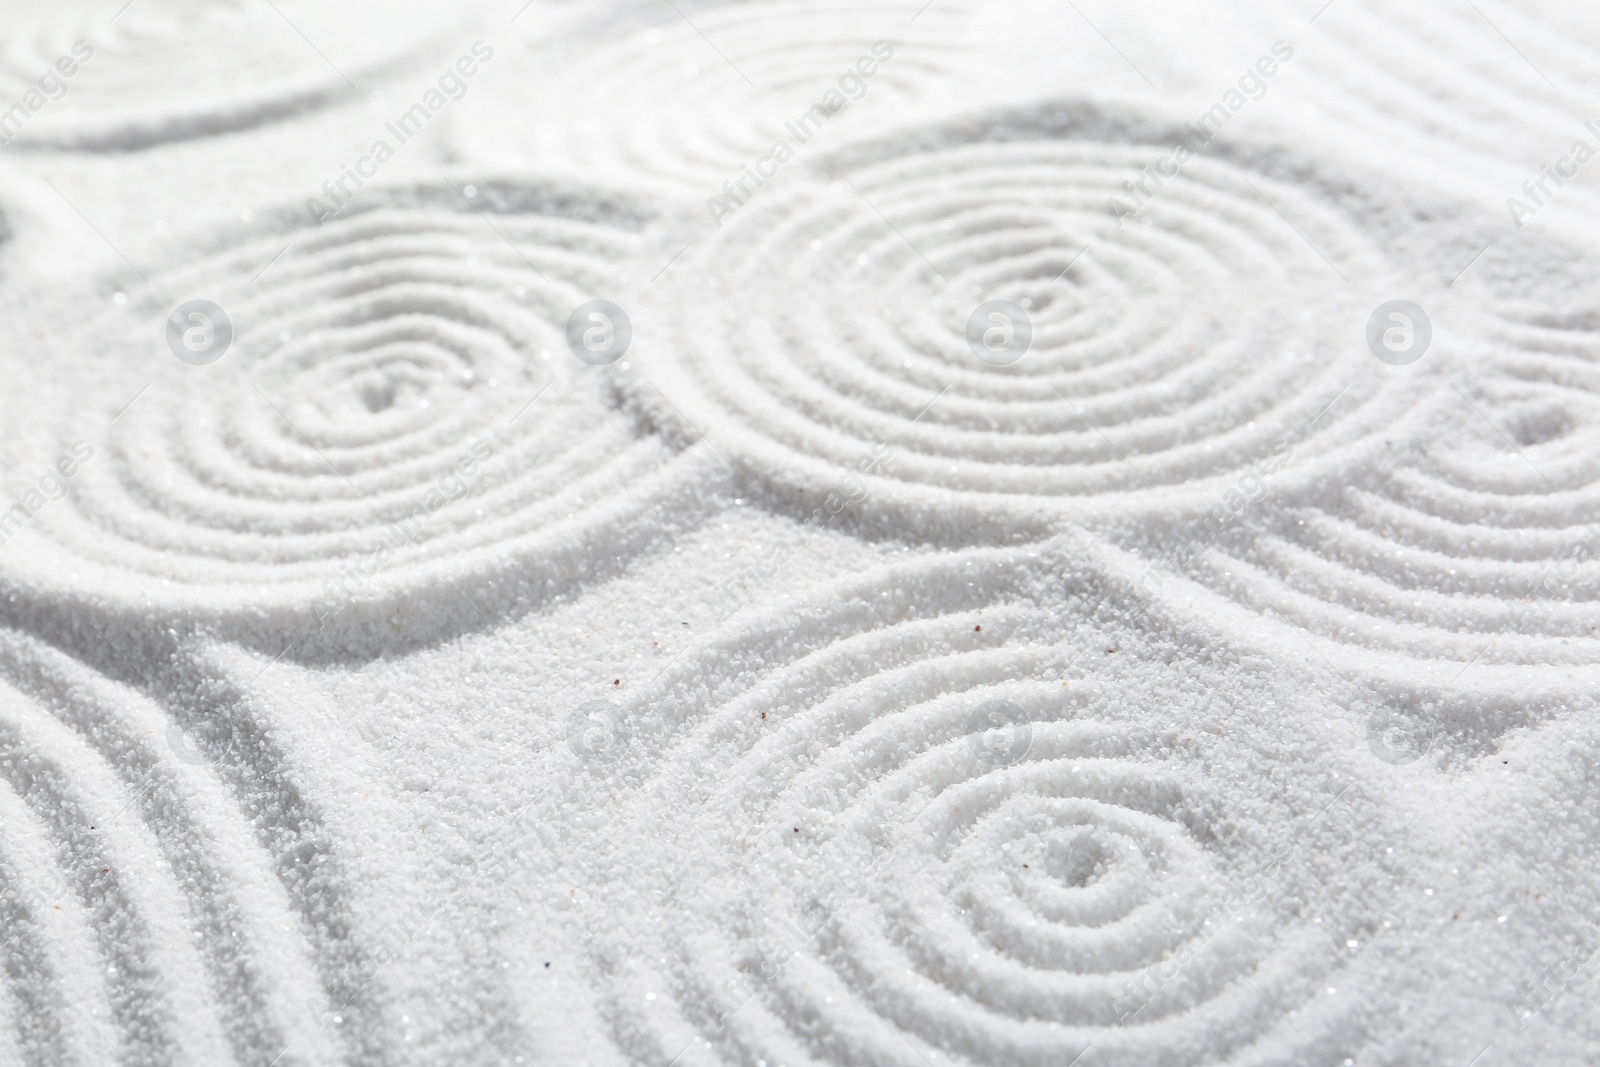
[{"x": 803, "y": 659}]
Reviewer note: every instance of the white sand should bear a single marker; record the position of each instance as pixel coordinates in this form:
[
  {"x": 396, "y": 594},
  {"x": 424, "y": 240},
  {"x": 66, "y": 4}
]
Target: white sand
[{"x": 799, "y": 687}]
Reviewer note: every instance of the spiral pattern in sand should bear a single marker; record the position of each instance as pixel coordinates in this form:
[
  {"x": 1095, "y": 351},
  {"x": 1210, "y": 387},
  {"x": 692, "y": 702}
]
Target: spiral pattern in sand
[
  {"x": 1473, "y": 540},
  {"x": 1164, "y": 357},
  {"x": 398, "y": 410},
  {"x": 708, "y": 91},
  {"x": 178, "y": 69},
  {"x": 932, "y": 837},
  {"x": 144, "y": 920}
]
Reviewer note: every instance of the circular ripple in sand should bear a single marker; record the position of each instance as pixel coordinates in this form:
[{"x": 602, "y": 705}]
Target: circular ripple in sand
[
  {"x": 144, "y": 920},
  {"x": 178, "y": 69},
  {"x": 398, "y": 410},
  {"x": 702, "y": 100},
  {"x": 1474, "y": 539},
  {"x": 942, "y": 836},
  {"x": 827, "y": 327}
]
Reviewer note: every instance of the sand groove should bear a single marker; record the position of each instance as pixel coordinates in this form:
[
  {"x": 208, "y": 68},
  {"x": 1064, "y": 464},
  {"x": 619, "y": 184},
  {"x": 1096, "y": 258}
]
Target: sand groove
[
  {"x": 179, "y": 70},
  {"x": 685, "y": 118},
  {"x": 1474, "y": 538},
  {"x": 128, "y": 861},
  {"x": 918, "y": 829},
  {"x": 398, "y": 421},
  {"x": 1165, "y": 357}
]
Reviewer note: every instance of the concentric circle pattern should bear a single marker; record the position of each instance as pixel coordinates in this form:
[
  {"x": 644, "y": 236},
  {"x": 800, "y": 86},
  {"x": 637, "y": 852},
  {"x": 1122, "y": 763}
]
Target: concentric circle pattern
[
  {"x": 863, "y": 875},
  {"x": 798, "y": 533},
  {"x": 1474, "y": 538},
  {"x": 707, "y": 96},
  {"x": 144, "y": 920},
  {"x": 1169, "y": 351},
  {"x": 397, "y": 404},
  {"x": 178, "y": 69}
]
